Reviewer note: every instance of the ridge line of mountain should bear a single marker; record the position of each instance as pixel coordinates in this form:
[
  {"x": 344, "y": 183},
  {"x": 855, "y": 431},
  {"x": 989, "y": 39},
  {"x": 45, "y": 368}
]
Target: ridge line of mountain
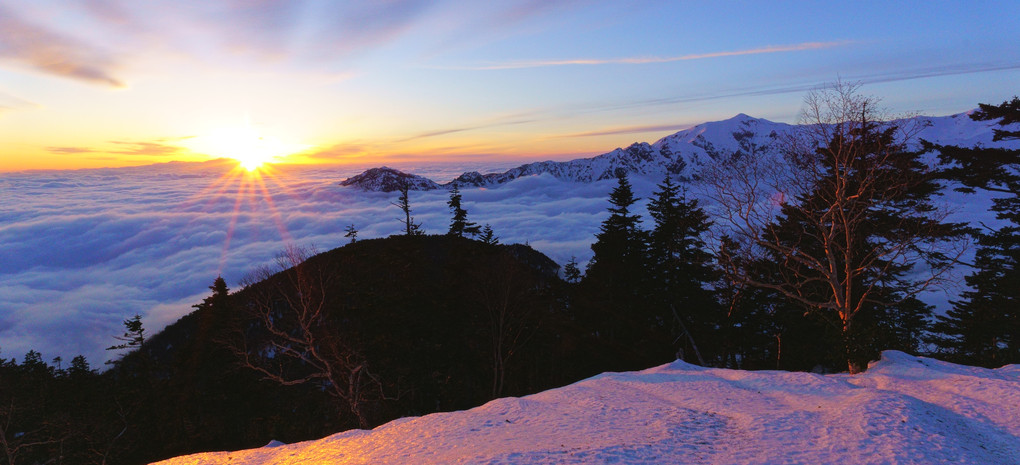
[{"x": 679, "y": 155}]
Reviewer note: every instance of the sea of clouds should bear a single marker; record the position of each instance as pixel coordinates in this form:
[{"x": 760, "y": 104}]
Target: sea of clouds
[{"x": 81, "y": 251}]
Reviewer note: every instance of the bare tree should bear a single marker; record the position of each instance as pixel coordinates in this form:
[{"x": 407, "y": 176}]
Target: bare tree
[
  {"x": 510, "y": 297},
  {"x": 843, "y": 209},
  {"x": 16, "y": 439},
  {"x": 298, "y": 340}
]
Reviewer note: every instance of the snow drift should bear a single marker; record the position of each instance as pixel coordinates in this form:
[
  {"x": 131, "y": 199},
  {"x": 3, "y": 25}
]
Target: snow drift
[{"x": 903, "y": 410}]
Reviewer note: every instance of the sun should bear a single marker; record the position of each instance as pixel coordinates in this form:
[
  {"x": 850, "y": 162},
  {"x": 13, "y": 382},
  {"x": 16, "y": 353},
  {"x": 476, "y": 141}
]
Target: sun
[{"x": 245, "y": 144}]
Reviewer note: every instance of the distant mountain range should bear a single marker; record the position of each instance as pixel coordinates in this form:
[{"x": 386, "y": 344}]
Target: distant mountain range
[{"x": 681, "y": 154}]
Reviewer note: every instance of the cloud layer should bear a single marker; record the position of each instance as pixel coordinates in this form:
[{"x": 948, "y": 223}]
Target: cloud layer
[
  {"x": 84, "y": 250},
  {"x": 644, "y": 60}
]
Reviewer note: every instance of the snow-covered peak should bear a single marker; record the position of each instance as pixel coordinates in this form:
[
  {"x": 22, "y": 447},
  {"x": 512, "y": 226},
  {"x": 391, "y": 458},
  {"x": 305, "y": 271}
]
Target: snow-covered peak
[
  {"x": 960, "y": 130},
  {"x": 385, "y": 179},
  {"x": 683, "y": 153}
]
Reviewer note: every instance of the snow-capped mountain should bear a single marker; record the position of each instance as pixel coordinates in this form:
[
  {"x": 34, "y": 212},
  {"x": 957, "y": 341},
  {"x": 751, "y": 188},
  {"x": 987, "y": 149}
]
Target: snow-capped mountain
[
  {"x": 682, "y": 154},
  {"x": 386, "y": 179}
]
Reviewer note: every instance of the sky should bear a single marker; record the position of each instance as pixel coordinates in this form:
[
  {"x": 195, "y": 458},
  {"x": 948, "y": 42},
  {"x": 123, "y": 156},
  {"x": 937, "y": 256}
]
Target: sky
[{"x": 108, "y": 83}]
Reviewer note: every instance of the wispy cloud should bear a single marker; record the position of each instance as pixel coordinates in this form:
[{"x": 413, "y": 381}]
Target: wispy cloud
[
  {"x": 311, "y": 30},
  {"x": 157, "y": 147},
  {"x": 935, "y": 71},
  {"x": 629, "y": 130},
  {"x": 9, "y": 103},
  {"x": 653, "y": 59},
  {"x": 512, "y": 120},
  {"x": 44, "y": 50},
  {"x": 66, "y": 150},
  {"x": 799, "y": 87}
]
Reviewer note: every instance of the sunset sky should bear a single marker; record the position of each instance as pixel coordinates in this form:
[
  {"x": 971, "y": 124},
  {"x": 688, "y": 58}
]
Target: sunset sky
[{"x": 95, "y": 83}]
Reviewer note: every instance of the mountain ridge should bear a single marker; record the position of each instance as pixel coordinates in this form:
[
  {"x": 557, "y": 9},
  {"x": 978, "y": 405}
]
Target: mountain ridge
[{"x": 680, "y": 154}]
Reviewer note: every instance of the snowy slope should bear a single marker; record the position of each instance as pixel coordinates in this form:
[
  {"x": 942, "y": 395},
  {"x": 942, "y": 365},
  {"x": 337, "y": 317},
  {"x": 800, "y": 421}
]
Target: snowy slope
[
  {"x": 903, "y": 410},
  {"x": 386, "y": 179},
  {"x": 683, "y": 153}
]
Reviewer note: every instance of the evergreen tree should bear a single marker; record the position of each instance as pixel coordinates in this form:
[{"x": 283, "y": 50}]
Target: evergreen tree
[
  {"x": 620, "y": 244},
  {"x": 351, "y": 232},
  {"x": 679, "y": 268},
  {"x": 404, "y": 203},
  {"x": 571, "y": 272},
  {"x": 459, "y": 225},
  {"x": 613, "y": 294},
  {"x": 488, "y": 236},
  {"x": 80, "y": 367},
  {"x": 984, "y": 326},
  {"x": 220, "y": 298},
  {"x": 133, "y": 337},
  {"x": 1007, "y": 113}
]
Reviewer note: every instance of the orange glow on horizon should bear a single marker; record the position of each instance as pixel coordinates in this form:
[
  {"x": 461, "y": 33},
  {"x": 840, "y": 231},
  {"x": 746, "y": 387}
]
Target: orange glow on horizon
[{"x": 248, "y": 146}]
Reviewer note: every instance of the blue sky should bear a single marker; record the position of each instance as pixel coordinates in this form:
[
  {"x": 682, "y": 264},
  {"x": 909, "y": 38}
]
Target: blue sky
[{"x": 112, "y": 83}]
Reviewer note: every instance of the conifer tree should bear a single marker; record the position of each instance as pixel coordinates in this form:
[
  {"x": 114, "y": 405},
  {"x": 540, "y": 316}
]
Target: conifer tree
[
  {"x": 459, "y": 225},
  {"x": 614, "y": 293},
  {"x": 984, "y": 327},
  {"x": 79, "y": 367},
  {"x": 404, "y": 203},
  {"x": 676, "y": 250},
  {"x": 488, "y": 236},
  {"x": 134, "y": 334},
  {"x": 219, "y": 300},
  {"x": 679, "y": 268},
  {"x": 351, "y": 232},
  {"x": 620, "y": 244},
  {"x": 571, "y": 272}
]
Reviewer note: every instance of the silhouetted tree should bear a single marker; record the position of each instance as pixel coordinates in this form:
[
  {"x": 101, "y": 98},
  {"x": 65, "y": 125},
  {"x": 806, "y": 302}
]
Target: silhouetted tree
[
  {"x": 133, "y": 337},
  {"x": 404, "y": 203},
  {"x": 351, "y": 232},
  {"x": 680, "y": 268},
  {"x": 488, "y": 236},
  {"x": 79, "y": 367},
  {"x": 613, "y": 295},
  {"x": 571, "y": 272},
  {"x": 620, "y": 244},
  {"x": 459, "y": 225}
]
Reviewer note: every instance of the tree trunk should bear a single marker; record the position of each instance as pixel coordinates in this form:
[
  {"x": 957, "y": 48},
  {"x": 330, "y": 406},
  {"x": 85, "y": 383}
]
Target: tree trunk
[{"x": 854, "y": 366}]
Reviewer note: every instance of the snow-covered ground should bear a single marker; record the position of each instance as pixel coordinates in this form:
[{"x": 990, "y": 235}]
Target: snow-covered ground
[{"x": 904, "y": 409}]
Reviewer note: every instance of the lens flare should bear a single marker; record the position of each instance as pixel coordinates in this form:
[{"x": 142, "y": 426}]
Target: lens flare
[
  {"x": 252, "y": 195},
  {"x": 249, "y": 147}
]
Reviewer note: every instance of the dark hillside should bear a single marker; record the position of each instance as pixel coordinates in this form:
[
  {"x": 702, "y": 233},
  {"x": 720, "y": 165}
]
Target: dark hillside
[{"x": 392, "y": 327}]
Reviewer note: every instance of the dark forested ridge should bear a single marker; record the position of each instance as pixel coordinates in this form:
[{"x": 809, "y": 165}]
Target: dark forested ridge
[{"x": 420, "y": 323}]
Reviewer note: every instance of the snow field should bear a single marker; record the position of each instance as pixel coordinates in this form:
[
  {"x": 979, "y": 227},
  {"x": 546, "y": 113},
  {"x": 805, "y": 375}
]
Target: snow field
[{"x": 903, "y": 410}]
